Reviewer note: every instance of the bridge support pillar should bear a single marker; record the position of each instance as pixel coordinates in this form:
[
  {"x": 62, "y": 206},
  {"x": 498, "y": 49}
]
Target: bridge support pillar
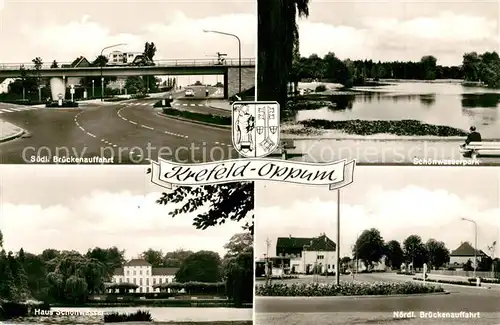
[
  {"x": 58, "y": 87},
  {"x": 226, "y": 85}
]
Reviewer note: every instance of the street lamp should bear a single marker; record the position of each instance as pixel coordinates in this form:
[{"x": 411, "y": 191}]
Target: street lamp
[
  {"x": 102, "y": 64},
  {"x": 475, "y": 243},
  {"x": 93, "y": 95},
  {"x": 239, "y": 53},
  {"x": 337, "y": 271}
]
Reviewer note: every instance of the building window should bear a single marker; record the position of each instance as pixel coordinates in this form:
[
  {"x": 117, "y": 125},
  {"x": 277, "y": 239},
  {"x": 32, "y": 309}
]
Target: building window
[
  {"x": 140, "y": 272},
  {"x": 128, "y": 280},
  {"x": 128, "y": 273},
  {"x": 134, "y": 272},
  {"x": 321, "y": 257},
  {"x": 147, "y": 281},
  {"x": 147, "y": 289},
  {"x": 135, "y": 281},
  {"x": 147, "y": 272},
  {"x": 140, "y": 281},
  {"x": 121, "y": 280},
  {"x": 159, "y": 280},
  {"x": 140, "y": 289},
  {"x": 154, "y": 280}
]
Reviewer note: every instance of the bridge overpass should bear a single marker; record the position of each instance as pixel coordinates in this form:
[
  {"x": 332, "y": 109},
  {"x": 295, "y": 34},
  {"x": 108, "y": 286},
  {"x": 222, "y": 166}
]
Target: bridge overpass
[{"x": 230, "y": 70}]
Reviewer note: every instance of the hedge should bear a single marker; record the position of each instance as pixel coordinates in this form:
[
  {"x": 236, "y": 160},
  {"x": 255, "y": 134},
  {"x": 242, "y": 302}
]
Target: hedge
[
  {"x": 207, "y": 118},
  {"x": 193, "y": 286},
  {"x": 344, "y": 289},
  {"x": 469, "y": 284},
  {"x": 485, "y": 280},
  {"x": 401, "y": 128},
  {"x": 138, "y": 316},
  {"x": 64, "y": 104}
]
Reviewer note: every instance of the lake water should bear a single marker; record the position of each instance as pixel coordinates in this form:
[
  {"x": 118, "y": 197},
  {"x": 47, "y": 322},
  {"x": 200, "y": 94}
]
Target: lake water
[
  {"x": 448, "y": 104},
  {"x": 159, "y": 314}
]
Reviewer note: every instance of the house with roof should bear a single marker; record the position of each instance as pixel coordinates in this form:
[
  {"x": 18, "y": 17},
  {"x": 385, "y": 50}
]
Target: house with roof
[
  {"x": 79, "y": 62},
  {"x": 304, "y": 255},
  {"x": 144, "y": 275},
  {"x": 464, "y": 253}
]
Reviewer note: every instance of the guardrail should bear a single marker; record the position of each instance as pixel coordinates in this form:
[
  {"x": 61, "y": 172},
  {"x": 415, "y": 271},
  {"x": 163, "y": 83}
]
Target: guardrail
[{"x": 157, "y": 63}]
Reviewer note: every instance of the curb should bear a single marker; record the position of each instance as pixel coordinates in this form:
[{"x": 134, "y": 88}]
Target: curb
[
  {"x": 223, "y": 127},
  {"x": 13, "y": 136},
  {"x": 355, "y": 297},
  {"x": 454, "y": 284}
]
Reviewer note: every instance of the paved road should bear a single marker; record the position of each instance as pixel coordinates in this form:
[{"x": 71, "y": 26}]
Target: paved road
[
  {"x": 200, "y": 103},
  {"x": 130, "y": 131},
  {"x": 366, "y": 310},
  {"x": 383, "y": 152}
]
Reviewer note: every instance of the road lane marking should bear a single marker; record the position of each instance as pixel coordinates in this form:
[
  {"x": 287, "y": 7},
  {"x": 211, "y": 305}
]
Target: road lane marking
[
  {"x": 7, "y": 110},
  {"x": 133, "y": 122},
  {"x": 193, "y": 104},
  {"x": 184, "y": 104},
  {"x": 147, "y": 127},
  {"x": 92, "y": 135}
]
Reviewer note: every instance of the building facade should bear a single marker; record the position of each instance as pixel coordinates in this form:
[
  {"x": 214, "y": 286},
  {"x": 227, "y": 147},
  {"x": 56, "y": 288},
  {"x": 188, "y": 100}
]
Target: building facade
[
  {"x": 315, "y": 255},
  {"x": 141, "y": 273},
  {"x": 464, "y": 253}
]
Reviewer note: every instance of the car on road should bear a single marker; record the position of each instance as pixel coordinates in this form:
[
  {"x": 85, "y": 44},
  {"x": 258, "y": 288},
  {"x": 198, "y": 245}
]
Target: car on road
[{"x": 189, "y": 93}]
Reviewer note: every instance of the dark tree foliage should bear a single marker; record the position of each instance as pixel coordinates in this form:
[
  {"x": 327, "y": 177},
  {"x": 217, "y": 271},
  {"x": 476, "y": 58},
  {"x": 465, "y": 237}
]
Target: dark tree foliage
[{"x": 231, "y": 201}]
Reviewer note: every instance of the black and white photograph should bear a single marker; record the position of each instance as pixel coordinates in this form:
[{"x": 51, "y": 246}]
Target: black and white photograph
[
  {"x": 101, "y": 244},
  {"x": 383, "y": 82},
  {"x": 121, "y": 82},
  {"x": 394, "y": 247}
]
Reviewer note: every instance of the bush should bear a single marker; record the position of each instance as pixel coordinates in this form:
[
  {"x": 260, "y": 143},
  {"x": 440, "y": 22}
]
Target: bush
[
  {"x": 10, "y": 310},
  {"x": 344, "y": 289},
  {"x": 139, "y": 96},
  {"x": 401, "y": 128},
  {"x": 485, "y": 280},
  {"x": 195, "y": 287},
  {"x": 64, "y": 104},
  {"x": 470, "y": 284},
  {"x": 320, "y": 88},
  {"x": 207, "y": 118},
  {"x": 139, "y": 316}
]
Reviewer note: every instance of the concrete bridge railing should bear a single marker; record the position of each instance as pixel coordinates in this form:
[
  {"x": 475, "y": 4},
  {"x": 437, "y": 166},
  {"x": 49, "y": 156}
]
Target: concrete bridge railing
[{"x": 157, "y": 63}]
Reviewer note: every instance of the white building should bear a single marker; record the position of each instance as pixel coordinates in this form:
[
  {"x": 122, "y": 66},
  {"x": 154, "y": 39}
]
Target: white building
[
  {"x": 304, "y": 255},
  {"x": 4, "y": 85},
  {"x": 141, "y": 273}
]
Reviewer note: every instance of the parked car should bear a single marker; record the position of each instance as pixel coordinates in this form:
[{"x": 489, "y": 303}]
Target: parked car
[{"x": 189, "y": 93}]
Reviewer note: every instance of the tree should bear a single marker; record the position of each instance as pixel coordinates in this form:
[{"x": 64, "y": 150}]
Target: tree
[
  {"x": 470, "y": 66},
  {"x": 112, "y": 258},
  {"x": 100, "y": 61},
  {"x": 54, "y": 65},
  {"x": 239, "y": 244},
  {"x": 437, "y": 253},
  {"x": 415, "y": 251},
  {"x": 277, "y": 42},
  {"x": 369, "y": 247},
  {"x": 1, "y": 239},
  {"x": 394, "y": 254},
  {"x": 344, "y": 263},
  {"x": 154, "y": 257},
  {"x": 231, "y": 201},
  {"x": 149, "y": 51},
  {"x": 135, "y": 84},
  {"x": 176, "y": 258},
  {"x": 75, "y": 289},
  {"x": 239, "y": 277},
  {"x": 38, "y": 62},
  {"x": 202, "y": 266},
  {"x": 428, "y": 63}
]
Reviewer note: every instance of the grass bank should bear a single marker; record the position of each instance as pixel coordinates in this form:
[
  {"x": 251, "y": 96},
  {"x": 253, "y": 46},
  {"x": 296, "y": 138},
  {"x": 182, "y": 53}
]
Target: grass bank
[
  {"x": 206, "y": 118},
  {"x": 344, "y": 289},
  {"x": 369, "y": 127}
]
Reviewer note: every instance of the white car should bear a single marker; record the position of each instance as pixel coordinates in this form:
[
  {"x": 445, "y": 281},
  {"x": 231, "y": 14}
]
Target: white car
[{"x": 189, "y": 93}]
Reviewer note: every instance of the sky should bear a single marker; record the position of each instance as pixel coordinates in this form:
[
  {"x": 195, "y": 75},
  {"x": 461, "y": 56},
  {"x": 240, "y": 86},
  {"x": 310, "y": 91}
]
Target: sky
[
  {"x": 401, "y": 30},
  {"x": 68, "y": 208},
  {"x": 64, "y": 30},
  {"x": 398, "y": 201}
]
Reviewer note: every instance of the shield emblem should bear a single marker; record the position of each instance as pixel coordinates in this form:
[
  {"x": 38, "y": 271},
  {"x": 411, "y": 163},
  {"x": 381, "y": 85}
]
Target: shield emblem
[{"x": 255, "y": 128}]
